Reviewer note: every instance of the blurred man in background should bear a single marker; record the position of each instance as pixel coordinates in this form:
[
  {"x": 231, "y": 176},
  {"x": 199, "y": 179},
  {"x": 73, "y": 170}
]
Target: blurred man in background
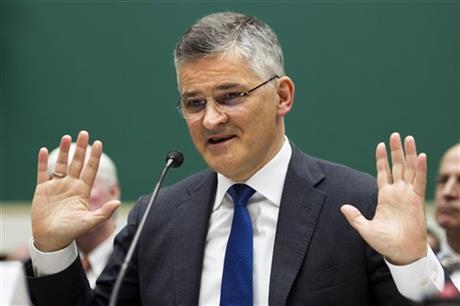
[
  {"x": 447, "y": 212},
  {"x": 96, "y": 245}
]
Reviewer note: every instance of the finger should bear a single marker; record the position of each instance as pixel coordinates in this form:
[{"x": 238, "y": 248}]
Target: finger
[
  {"x": 42, "y": 166},
  {"x": 355, "y": 218},
  {"x": 63, "y": 155},
  {"x": 383, "y": 169},
  {"x": 420, "y": 175},
  {"x": 79, "y": 156},
  {"x": 90, "y": 170},
  {"x": 411, "y": 159},
  {"x": 397, "y": 157},
  {"x": 102, "y": 214}
]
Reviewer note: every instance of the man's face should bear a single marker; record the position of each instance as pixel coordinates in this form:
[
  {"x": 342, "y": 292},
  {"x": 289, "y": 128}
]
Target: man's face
[
  {"x": 237, "y": 143},
  {"x": 448, "y": 190},
  {"x": 101, "y": 194}
]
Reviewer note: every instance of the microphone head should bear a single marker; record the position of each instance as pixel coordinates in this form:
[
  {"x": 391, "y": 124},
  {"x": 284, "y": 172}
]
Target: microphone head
[{"x": 176, "y": 157}]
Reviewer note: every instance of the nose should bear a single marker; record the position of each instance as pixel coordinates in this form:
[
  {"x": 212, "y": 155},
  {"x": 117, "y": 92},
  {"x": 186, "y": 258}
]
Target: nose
[
  {"x": 213, "y": 116},
  {"x": 451, "y": 188}
]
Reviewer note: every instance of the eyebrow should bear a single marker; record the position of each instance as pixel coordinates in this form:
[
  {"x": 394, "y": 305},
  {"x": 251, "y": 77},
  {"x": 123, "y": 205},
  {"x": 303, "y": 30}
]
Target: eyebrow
[
  {"x": 220, "y": 87},
  {"x": 448, "y": 175},
  {"x": 226, "y": 86}
]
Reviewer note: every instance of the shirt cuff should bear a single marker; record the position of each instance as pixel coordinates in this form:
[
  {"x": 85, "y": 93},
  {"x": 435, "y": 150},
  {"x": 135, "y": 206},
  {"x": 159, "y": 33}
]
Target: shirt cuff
[
  {"x": 420, "y": 279},
  {"x": 46, "y": 263}
]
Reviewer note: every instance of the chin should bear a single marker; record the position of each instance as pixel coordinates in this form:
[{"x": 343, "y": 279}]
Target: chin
[
  {"x": 219, "y": 162},
  {"x": 447, "y": 223},
  {"x": 223, "y": 167}
]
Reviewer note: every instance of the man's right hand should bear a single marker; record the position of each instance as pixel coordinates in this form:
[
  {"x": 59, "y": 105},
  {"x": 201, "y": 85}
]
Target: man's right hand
[{"x": 60, "y": 207}]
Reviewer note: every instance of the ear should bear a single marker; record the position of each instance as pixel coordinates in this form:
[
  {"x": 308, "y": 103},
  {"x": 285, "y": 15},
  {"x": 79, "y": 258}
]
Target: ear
[{"x": 286, "y": 91}]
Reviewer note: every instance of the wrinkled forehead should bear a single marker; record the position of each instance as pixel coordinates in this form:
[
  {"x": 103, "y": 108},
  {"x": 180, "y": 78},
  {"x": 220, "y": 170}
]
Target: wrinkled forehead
[
  {"x": 450, "y": 164},
  {"x": 213, "y": 69}
]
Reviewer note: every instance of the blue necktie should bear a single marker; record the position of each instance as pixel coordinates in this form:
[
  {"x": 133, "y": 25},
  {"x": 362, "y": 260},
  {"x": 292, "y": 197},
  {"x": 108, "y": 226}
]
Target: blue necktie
[{"x": 236, "y": 287}]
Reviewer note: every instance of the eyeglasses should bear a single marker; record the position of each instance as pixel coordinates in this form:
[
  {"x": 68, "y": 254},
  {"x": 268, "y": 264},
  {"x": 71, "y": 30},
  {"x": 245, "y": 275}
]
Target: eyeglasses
[{"x": 193, "y": 108}]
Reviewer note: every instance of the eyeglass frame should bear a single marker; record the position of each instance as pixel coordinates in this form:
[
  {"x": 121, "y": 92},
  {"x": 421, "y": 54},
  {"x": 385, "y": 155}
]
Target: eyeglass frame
[{"x": 240, "y": 94}]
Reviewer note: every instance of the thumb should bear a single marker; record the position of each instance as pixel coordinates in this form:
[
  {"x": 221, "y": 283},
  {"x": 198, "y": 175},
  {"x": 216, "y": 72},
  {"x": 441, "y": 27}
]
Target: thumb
[
  {"x": 355, "y": 218},
  {"x": 103, "y": 213}
]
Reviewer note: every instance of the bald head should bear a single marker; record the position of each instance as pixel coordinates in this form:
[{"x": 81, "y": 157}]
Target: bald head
[
  {"x": 448, "y": 190},
  {"x": 453, "y": 151}
]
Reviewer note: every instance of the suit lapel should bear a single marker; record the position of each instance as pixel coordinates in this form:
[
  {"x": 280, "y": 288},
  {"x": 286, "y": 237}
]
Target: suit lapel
[
  {"x": 189, "y": 240},
  {"x": 300, "y": 208}
]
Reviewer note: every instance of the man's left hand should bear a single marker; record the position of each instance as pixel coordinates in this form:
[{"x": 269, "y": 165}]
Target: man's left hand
[{"x": 398, "y": 228}]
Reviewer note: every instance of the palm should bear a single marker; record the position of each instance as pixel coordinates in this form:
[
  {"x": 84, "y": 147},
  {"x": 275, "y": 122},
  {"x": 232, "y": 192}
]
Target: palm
[
  {"x": 60, "y": 207},
  {"x": 398, "y": 228}
]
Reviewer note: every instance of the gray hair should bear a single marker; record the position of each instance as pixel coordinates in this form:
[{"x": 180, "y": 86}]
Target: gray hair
[
  {"x": 237, "y": 34},
  {"x": 106, "y": 174}
]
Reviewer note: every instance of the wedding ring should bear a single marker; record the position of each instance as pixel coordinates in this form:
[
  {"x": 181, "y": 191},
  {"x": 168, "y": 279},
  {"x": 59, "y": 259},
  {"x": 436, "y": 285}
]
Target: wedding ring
[{"x": 58, "y": 175}]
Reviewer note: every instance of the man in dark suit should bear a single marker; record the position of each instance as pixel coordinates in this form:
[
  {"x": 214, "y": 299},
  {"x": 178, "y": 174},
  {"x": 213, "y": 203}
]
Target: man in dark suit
[{"x": 263, "y": 224}]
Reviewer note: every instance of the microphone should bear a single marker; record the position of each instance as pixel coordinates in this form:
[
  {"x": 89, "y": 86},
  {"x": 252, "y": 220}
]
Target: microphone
[{"x": 174, "y": 159}]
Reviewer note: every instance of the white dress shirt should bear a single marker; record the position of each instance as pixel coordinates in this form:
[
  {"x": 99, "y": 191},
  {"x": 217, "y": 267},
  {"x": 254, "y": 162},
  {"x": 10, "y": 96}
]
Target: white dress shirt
[
  {"x": 98, "y": 258},
  {"x": 447, "y": 251},
  {"x": 263, "y": 207},
  {"x": 45, "y": 263},
  {"x": 415, "y": 281},
  {"x": 420, "y": 279}
]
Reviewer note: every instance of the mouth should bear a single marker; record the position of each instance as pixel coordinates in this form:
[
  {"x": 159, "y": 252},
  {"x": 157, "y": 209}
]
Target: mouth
[
  {"x": 220, "y": 139},
  {"x": 448, "y": 210}
]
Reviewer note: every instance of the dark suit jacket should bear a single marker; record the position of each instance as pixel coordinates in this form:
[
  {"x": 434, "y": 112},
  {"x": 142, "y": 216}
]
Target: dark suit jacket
[{"x": 318, "y": 259}]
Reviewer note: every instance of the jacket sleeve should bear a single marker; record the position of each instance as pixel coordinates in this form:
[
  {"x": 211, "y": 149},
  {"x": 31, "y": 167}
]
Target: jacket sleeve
[{"x": 70, "y": 286}]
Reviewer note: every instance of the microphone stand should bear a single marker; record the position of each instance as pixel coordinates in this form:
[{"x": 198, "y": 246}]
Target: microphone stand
[{"x": 174, "y": 159}]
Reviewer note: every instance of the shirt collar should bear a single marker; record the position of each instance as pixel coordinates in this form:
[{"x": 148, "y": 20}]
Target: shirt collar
[
  {"x": 446, "y": 250},
  {"x": 268, "y": 181},
  {"x": 99, "y": 255}
]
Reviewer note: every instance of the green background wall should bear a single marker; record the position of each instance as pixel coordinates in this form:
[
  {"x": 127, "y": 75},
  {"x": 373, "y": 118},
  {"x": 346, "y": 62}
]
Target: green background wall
[{"x": 362, "y": 70}]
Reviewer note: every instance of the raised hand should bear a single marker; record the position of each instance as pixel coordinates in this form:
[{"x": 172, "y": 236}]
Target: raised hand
[
  {"x": 398, "y": 229},
  {"x": 60, "y": 207}
]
